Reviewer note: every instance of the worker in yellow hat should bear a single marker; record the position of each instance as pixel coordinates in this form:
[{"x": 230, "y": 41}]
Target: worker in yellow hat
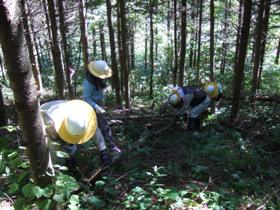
[
  {"x": 214, "y": 90},
  {"x": 74, "y": 122},
  {"x": 190, "y": 101},
  {"x": 93, "y": 93}
]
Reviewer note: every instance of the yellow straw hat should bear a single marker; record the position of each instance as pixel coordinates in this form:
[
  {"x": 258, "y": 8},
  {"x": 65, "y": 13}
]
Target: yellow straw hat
[
  {"x": 211, "y": 89},
  {"x": 100, "y": 69},
  {"x": 74, "y": 121}
]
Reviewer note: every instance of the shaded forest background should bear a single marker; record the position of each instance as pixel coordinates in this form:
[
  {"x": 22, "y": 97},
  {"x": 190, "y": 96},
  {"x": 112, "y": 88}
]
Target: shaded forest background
[{"x": 150, "y": 46}]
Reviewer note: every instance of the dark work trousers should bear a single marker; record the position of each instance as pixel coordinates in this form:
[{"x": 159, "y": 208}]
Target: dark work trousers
[{"x": 105, "y": 130}]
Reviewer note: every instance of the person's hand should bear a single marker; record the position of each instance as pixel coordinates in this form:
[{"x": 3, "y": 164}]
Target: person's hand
[{"x": 99, "y": 109}]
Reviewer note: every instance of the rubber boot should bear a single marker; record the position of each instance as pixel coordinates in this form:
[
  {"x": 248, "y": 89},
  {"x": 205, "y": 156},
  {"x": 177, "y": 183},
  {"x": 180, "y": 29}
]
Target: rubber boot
[
  {"x": 191, "y": 124},
  {"x": 197, "y": 124}
]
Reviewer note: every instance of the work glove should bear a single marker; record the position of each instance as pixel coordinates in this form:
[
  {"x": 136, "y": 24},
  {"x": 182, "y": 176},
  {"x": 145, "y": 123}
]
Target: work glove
[{"x": 99, "y": 109}]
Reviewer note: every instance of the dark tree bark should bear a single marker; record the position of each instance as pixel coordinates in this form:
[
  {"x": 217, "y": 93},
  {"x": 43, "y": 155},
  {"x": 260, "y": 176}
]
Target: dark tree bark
[
  {"x": 20, "y": 75},
  {"x": 239, "y": 71},
  {"x": 151, "y": 46},
  {"x": 30, "y": 47},
  {"x": 56, "y": 52},
  {"x": 225, "y": 37},
  {"x": 66, "y": 50},
  {"x": 169, "y": 46},
  {"x": 3, "y": 119},
  {"x": 124, "y": 51},
  {"x": 2, "y": 69},
  {"x": 212, "y": 50},
  {"x": 113, "y": 54},
  {"x": 94, "y": 44},
  {"x": 146, "y": 45},
  {"x": 257, "y": 49},
  {"x": 120, "y": 47},
  {"x": 83, "y": 29},
  {"x": 191, "y": 55},
  {"x": 237, "y": 44},
  {"x": 199, "y": 41},
  {"x": 264, "y": 38},
  {"x": 277, "y": 53},
  {"x": 175, "y": 44},
  {"x": 132, "y": 48},
  {"x": 102, "y": 42},
  {"x": 183, "y": 42}
]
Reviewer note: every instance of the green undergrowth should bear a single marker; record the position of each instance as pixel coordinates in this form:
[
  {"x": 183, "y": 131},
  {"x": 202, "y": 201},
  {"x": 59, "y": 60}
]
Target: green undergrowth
[{"x": 217, "y": 168}]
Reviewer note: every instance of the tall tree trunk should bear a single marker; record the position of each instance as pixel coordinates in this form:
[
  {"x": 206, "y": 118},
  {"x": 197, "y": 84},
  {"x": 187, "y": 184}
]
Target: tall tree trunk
[
  {"x": 151, "y": 47},
  {"x": 199, "y": 41},
  {"x": 20, "y": 75},
  {"x": 277, "y": 53},
  {"x": 56, "y": 52},
  {"x": 264, "y": 38},
  {"x": 239, "y": 71},
  {"x": 120, "y": 47},
  {"x": 67, "y": 67},
  {"x": 35, "y": 70},
  {"x": 132, "y": 48},
  {"x": 191, "y": 55},
  {"x": 183, "y": 42},
  {"x": 113, "y": 54},
  {"x": 237, "y": 45},
  {"x": 169, "y": 45},
  {"x": 124, "y": 51},
  {"x": 225, "y": 37},
  {"x": 257, "y": 49},
  {"x": 212, "y": 53},
  {"x": 146, "y": 45},
  {"x": 2, "y": 69},
  {"x": 175, "y": 44},
  {"x": 94, "y": 45},
  {"x": 102, "y": 42},
  {"x": 83, "y": 29},
  {"x": 3, "y": 119}
]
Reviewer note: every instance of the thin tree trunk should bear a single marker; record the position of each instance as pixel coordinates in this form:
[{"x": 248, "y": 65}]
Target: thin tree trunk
[
  {"x": 151, "y": 47},
  {"x": 146, "y": 46},
  {"x": 120, "y": 47},
  {"x": 183, "y": 42},
  {"x": 238, "y": 34},
  {"x": 30, "y": 47},
  {"x": 83, "y": 29},
  {"x": 102, "y": 42},
  {"x": 124, "y": 51},
  {"x": 3, "y": 119},
  {"x": 264, "y": 38},
  {"x": 113, "y": 54},
  {"x": 94, "y": 45},
  {"x": 175, "y": 44},
  {"x": 20, "y": 75},
  {"x": 212, "y": 50},
  {"x": 169, "y": 47},
  {"x": 67, "y": 67},
  {"x": 199, "y": 41},
  {"x": 257, "y": 49},
  {"x": 191, "y": 55},
  {"x": 225, "y": 38},
  {"x": 2, "y": 69},
  {"x": 277, "y": 53},
  {"x": 239, "y": 71},
  {"x": 132, "y": 48},
  {"x": 56, "y": 52}
]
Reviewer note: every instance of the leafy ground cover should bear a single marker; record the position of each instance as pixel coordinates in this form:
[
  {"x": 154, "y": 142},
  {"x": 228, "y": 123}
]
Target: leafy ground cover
[{"x": 220, "y": 167}]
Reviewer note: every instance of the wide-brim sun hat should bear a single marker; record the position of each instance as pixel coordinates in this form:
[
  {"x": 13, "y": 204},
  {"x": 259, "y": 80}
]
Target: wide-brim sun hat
[
  {"x": 211, "y": 88},
  {"x": 74, "y": 121},
  {"x": 100, "y": 69},
  {"x": 175, "y": 96}
]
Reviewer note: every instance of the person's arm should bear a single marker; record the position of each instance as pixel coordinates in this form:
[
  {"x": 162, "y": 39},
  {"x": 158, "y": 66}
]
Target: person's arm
[
  {"x": 88, "y": 91},
  {"x": 186, "y": 106}
]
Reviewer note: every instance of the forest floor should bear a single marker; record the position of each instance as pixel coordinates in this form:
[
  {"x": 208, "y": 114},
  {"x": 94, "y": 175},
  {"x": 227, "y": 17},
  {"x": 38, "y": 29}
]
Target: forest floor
[{"x": 164, "y": 167}]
